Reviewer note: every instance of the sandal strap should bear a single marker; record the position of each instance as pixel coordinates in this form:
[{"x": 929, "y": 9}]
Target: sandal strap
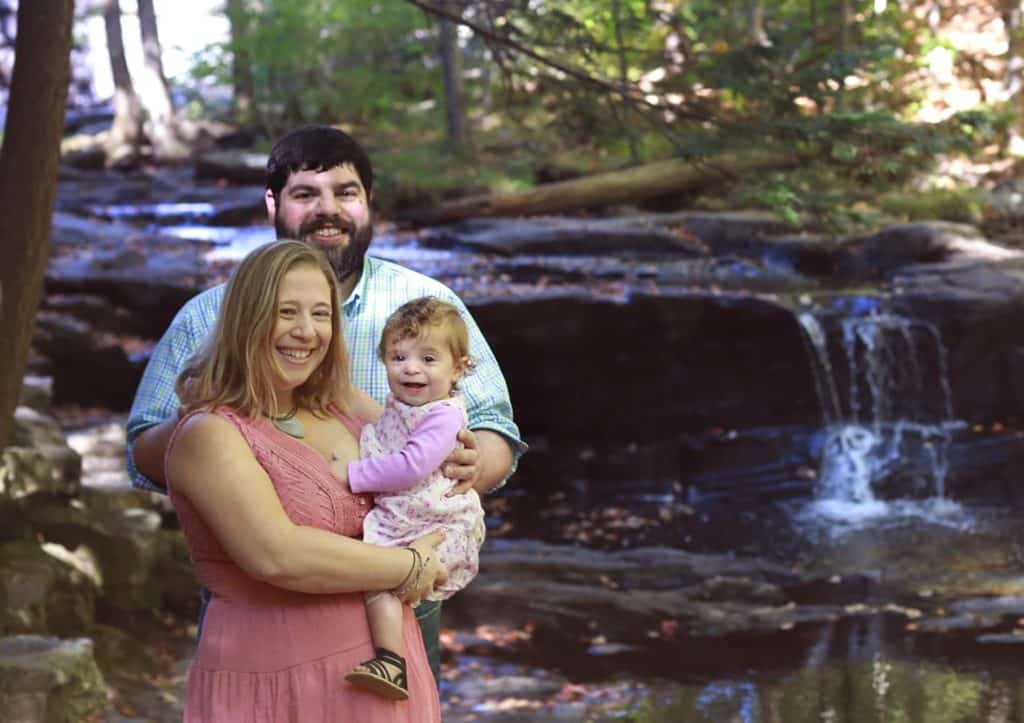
[
  {"x": 389, "y": 656},
  {"x": 377, "y": 666}
]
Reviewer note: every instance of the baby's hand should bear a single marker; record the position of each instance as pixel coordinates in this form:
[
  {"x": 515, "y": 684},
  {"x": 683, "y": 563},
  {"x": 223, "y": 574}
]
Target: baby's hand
[{"x": 340, "y": 470}]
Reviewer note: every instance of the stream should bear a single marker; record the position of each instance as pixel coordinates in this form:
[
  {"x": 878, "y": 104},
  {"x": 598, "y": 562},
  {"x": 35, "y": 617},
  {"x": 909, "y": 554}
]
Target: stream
[{"x": 863, "y": 670}]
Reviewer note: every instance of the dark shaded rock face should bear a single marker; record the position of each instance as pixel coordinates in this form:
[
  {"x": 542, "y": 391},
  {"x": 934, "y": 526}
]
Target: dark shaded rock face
[
  {"x": 144, "y": 277},
  {"x": 650, "y": 368},
  {"x": 40, "y": 592},
  {"x": 978, "y": 308},
  {"x": 683, "y": 234},
  {"x": 653, "y": 330},
  {"x": 664, "y": 352},
  {"x": 89, "y": 367}
]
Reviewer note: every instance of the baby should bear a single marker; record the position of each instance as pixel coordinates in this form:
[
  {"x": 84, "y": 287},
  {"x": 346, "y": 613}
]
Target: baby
[{"x": 425, "y": 348}]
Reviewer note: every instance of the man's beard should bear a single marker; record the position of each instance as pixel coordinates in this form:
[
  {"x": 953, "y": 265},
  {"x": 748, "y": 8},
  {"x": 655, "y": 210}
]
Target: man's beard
[{"x": 345, "y": 260}]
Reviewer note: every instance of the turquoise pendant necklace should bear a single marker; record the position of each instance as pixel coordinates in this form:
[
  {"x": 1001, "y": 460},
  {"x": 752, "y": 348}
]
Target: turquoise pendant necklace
[{"x": 288, "y": 424}]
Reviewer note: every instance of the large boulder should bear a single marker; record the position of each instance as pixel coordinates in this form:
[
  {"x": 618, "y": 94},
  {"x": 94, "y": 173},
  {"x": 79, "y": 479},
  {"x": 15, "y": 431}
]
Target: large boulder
[
  {"x": 36, "y": 393},
  {"x": 40, "y": 433},
  {"x": 39, "y": 458},
  {"x": 90, "y": 367},
  {"x": 123, "y": 537},
  {"x": 140, "y": 278},
  {"x": 49, "y": 680},
  {"x": 573, "y": 600},
  {"x": 25, "y": 471},
  {"x": 102, "y": 449},
  {"x": 977, "y": 309},
  {"x": 177, "y": 575},
  {"x": 565, "y": 236},
  {"x": 651, "y": 366},
  {"x": 878, "y": 255},
  {"x": 41, "y": 594}
]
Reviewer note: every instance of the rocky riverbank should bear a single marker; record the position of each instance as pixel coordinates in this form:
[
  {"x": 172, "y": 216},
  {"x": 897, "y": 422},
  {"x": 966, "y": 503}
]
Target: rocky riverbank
[
  {"x": 100, "y": 600},
  {"x": 679, "y": 377}
]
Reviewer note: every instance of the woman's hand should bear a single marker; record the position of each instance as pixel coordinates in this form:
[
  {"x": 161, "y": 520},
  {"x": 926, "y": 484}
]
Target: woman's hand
[{"x": 434, "y": 573}]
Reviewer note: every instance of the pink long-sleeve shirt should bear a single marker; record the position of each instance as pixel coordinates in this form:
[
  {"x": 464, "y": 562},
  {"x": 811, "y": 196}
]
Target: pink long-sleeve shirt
[
  {"x": 402, "y": 455},
  {"x": 428, "y": 445}
]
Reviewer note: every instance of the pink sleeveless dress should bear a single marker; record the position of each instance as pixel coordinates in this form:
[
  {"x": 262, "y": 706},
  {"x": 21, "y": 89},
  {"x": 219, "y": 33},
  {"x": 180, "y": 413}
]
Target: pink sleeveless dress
[{"x": 269, "y": 655}]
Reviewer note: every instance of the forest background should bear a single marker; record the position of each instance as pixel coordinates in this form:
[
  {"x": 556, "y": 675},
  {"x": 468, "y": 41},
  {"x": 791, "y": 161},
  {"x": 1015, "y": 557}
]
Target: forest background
[
  {"x": 835, "y": 115},
  {"x": 891, "y": 107},
  {"x": 829, "y": 113}
]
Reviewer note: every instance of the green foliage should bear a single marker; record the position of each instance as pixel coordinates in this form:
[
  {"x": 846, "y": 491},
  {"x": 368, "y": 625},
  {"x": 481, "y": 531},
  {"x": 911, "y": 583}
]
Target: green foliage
[
  {"x": 859, "y": 166},
  {"x": 963, "y": 205},
  {"x": 423, "y": 173},
  {"x": 687, "y": 79},
  {"x": 326, "y": 61}
]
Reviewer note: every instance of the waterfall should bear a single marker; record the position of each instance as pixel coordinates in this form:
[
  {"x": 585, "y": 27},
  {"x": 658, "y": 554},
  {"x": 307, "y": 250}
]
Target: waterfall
[
  {"x": 890, "y": 426},
  {"x": 821, "y": 367}
]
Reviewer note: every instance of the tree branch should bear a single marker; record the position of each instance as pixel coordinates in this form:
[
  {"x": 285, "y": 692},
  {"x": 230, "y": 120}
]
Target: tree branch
[{"x": 627, "y": 92}]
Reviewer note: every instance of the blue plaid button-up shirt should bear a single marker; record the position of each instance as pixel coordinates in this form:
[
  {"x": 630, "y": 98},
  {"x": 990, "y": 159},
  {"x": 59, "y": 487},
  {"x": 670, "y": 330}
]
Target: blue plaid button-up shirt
[{"x": 383, "y": 287}]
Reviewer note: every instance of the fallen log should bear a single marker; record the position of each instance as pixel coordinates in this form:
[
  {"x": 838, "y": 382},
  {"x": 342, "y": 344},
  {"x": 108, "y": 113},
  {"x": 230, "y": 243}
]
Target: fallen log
[{"x": 626, "y": 186}]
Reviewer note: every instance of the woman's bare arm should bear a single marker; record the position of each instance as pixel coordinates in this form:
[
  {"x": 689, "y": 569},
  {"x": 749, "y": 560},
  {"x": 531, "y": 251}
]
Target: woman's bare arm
[{"x": 213, "y": 467}]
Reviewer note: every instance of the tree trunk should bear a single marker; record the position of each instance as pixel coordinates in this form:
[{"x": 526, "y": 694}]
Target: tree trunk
[
  {"x": 450, "y": 71},
  {"x": 154, "y": 92},
  {"x": 28, "y": 178},
  {"x": 486, "y": 65},
  {"x": 241, "y": 66},
  {"x": 843, "y": 48},
  {"x": 677, "y": 50},
  {"x": 755, "y": 24},
  {"x": 1013, "y": 21},
  {"x": 628, "y": 186},
  {"x": 125, "y": 137},
  {"x": 935, "y": 17},
  {"x": 620, "y": 51}
]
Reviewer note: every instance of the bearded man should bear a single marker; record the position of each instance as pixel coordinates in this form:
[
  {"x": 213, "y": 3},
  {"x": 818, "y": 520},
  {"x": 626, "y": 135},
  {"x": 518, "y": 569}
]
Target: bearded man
[{"x": 319, "y": 187}]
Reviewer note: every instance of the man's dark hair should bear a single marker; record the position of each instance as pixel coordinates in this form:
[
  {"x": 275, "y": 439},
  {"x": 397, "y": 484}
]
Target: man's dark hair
[{"x": 315, "y": 148}]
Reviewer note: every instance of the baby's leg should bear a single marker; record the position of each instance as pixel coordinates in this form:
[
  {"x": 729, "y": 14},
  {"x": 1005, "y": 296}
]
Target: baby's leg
[
  {"x": 385, "y": 673},
  {"x": 385, "y": 613}
]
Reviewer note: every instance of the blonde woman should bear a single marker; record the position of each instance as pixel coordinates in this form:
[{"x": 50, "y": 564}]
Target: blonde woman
[{"x": 272, "y": 532}]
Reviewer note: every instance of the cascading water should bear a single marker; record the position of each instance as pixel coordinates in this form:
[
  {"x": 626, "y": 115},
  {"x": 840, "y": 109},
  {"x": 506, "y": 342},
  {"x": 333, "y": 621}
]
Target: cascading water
[{"x": 886, "y": 436}]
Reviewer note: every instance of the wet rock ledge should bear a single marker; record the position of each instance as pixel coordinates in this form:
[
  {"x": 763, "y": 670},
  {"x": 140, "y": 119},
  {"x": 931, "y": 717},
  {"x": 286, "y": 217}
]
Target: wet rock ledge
[{"x": 78, "y": 567}]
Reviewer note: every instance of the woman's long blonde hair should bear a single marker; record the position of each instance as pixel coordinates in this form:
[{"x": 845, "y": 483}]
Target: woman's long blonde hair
[{"x": 235, "y": 367}]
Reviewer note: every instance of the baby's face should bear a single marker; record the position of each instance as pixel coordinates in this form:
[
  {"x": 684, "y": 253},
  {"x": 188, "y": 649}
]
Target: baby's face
[{"x": 422, "y": 369}]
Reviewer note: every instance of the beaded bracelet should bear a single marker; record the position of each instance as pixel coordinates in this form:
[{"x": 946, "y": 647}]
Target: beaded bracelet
[
  {"x": 410, "y": 581},
  {"x": 422, "y": 565}
]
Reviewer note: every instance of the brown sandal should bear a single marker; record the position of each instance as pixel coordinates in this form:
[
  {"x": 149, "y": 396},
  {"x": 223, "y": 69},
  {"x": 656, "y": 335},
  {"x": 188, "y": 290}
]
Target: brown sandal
[{"x": 377, "y": 679}]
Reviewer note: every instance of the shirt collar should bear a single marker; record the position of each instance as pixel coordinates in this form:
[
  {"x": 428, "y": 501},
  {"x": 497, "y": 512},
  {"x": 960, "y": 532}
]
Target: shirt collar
[{"x": 355, "y": 299}]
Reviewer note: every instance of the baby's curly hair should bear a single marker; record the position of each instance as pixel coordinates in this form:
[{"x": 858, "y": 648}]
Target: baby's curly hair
[{"x": 416, "y": 318}]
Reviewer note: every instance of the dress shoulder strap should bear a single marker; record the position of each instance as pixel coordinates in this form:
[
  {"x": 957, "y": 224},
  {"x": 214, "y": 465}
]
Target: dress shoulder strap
[
  {"x": 244, "y": 426},
  {"x": 352, "y": 423}
]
